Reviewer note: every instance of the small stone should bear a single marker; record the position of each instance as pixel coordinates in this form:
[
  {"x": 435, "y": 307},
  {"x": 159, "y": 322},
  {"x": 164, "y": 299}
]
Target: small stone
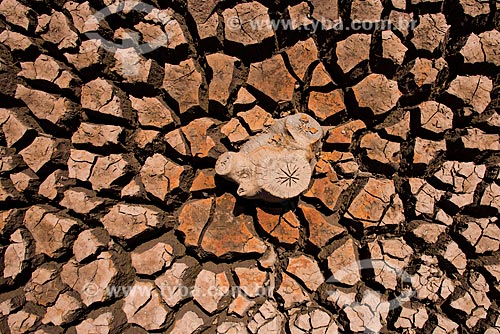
[
  {"x": 92, "y": 280},
  {"x": 478, "y": 140},
  {"x": 352, "y": 51},
  {"x": 301, "y": 55},
  {"x": 377, "y": 93},
  {"x": 247, "y": 23},
  {"x": 54, "y": 184},
  {"x": 243, "y": 237},
  {"x": 196, "y": 133},
  {"x": 426, "y": 150},
  {"x": 256, "y": 118},
  {"x": 57, "y": 110},
  {"x": 491, "y": 196},
  {"x": 80, "y": 164},
  {"x": 44, "y": 150},
  {"x": 455, "y": 256},
  {"x": 15, "y": 13},
  {"x": 25, "y": 180},
  {"x": 377, "y": 204},
  {"x": 425, "y": 71},
  {"x": 244, "y": 97},
  {"x": 343, "y": 133},
  {"x": 193, "y": 217},
  {"x": 482, "y": 48},
  {"x": 88, "y": 55},
  {"x": 65, "y": 310},
  {"x": 370, "y": 10},
  {"x": 222, "y": 67},
  {"x": 269, "y": 258},
  {"x": 389, "y": 257},
  {"x": 445, "y": 326},
  {"x": 182, "y": 83},
  {"x": 109, "y": 169},
  {"x": 16, "y": 255},
  {"x": 240, "y": 305},
  {"x": 429, "y": 282},
  {"x": 272, "y": 68},
  {"x": 435, "y": 117},
  {"x": 284, "y": 227},
  {"x": 209, "y": 289},
  {"x": 474, "y": 8},
  {"x": 201, "y": 11},
  {"x": 8, "y": 192},
  {"x": 48, "y": 69},
  {"x": 143, "y": 138},
  {"x": 106, "y": 321},
  {"x": 251, "y": 280},
  {"x": 103, "y": 97},
  {"x": 144, "y": 307},
  {"x": 127, "y": 221},
  {"x": 475, "y": 302},
  {"x": 81, "y": 200},
  {"x": 307, "y": 270},
  {"x": 11, "y": 301},
  {"x": 291, "y": 292},
  {"x": 56, "y": 29},
  {"x": 161, "y": 176},
  {"x": 320, "y": 76},
  {"x": 16, "y": 125},
  {"x": 401, "y": 21},
  {"x": 15, "y": 41},
  {"x": 462, "y": 176},
  {"x": 40, "y": 219},
  {"x": 324, "y": 105},
  {"x": 321, "y": 229},
  {"x": 430, "y": 32},
  {"x": 392, "y": 47},
  {"x": 82, "y": 16},
  {"x": 204, "y": 180},
  {"x": 381, "y": 150},
  {"x": 429, "y": 232},
  {"x": 234, "y": 131},
  {"x": 171, "y": 284},
  {"x": 267, "y": 320},
  {"x": 343, "y": 263},
  {"x": 152, "y": 257},
  {"x": 90, "y": 242},
  {"x": 22, "y": 322},
  {"x": 482, "y": 234},
  {"x": 152, "y": 112},
  {"x": 425, "y": 195},
  {"x": 187, "y": 324},
  {"x": 401, "y": 128},
  {"x": 325, "y": 10},
  {"x": 328, "y": 190},
  {"x": 176, "y": 140},
  {"x": 9, "y": 160},
  {"x": 473, "y": 90},
  {"x": 299, "y": 15},
  {"x": 231, "y": 328},
  {"x": 97, "y": 135},
  {"x": 412, "y": 318},
  {"x": 45, "y": 284},
  {"x": 174, "y": 31}
]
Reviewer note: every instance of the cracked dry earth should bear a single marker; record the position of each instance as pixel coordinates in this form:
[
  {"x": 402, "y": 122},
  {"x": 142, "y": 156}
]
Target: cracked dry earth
[{"x": 112, "y": 220}]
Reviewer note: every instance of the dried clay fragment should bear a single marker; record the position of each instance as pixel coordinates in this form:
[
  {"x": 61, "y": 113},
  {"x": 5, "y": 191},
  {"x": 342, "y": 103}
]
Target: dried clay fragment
[{"x": 276, "y": 164}]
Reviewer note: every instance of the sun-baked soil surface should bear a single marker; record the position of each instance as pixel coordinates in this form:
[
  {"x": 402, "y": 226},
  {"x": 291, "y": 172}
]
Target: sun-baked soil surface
[{"x": 112, "y": 220}]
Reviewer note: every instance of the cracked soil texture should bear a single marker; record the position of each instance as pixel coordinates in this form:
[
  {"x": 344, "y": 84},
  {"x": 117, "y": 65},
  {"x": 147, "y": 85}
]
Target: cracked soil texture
[{"x": 113, "y": 221}]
